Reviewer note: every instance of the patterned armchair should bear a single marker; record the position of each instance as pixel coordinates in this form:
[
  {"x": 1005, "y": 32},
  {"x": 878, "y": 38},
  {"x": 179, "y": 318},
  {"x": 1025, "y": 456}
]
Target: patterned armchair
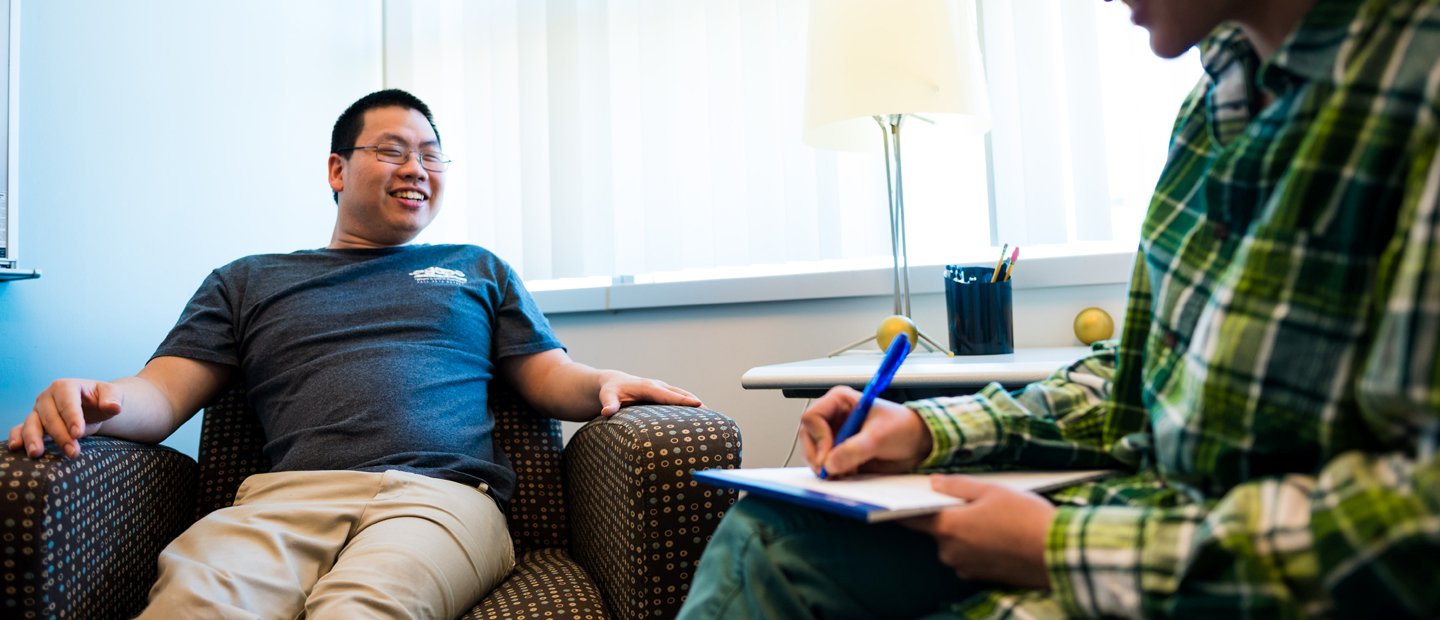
[{"x": 610, "y": 525}]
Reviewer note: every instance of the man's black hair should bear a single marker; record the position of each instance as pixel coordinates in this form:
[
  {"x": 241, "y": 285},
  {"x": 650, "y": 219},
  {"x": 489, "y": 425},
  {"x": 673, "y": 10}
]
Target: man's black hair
[{"x": 352, "y": 120}]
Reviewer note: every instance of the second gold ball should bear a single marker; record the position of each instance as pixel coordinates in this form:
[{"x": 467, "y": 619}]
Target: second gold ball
[{"x": 1093, "y": 324}]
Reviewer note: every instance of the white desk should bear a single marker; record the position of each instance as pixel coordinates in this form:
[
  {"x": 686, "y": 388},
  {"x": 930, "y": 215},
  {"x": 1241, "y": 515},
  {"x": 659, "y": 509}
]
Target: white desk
[{"x": 922, "y": 374}]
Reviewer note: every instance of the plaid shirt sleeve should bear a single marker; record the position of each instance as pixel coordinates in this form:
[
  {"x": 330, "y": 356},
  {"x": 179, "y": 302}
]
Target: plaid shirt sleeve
[
  {"x": 1056, "y": 423},
  {"x": 1354, "y": 539}
]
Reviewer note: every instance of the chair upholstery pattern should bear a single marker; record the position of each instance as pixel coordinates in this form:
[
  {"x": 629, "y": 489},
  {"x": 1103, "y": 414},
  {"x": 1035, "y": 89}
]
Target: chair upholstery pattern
[
  {"x": 546, "y": 583},
  {"x": 533, "y": 445},
  {"x": 611, "y": 529},
  {"x": 75, "y": 534},
  {"x": 232, "y": 447},
  {"x": 656, "y": 511}
]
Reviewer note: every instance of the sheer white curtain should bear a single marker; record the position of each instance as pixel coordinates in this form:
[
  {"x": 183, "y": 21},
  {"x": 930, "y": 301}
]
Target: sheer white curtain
[
  {"x": 1082, "y": 111},
  {"x": 634, "y": 137}
]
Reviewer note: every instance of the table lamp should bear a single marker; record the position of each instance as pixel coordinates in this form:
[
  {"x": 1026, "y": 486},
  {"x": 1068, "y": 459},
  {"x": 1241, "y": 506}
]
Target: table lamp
[{"x": 870, "y": 64}]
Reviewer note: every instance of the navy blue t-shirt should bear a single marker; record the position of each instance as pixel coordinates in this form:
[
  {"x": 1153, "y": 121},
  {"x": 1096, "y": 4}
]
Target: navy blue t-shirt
[{"x": 369, "y": 359}]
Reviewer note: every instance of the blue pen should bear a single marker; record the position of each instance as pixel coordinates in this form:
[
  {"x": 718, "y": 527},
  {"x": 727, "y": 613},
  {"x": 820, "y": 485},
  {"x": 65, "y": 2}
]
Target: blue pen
[{"x": 899, "y": 348}]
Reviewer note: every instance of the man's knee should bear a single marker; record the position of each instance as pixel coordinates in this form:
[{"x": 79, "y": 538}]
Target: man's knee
[{"x": 767, "y": 518}]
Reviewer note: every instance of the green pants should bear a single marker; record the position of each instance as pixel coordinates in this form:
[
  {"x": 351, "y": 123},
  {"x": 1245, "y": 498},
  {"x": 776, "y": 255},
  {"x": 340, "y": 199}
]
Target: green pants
[{"x": 770, "y": 559}]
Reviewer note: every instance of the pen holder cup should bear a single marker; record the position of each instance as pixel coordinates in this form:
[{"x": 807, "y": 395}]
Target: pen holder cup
[{"x": 979, "y": 312}]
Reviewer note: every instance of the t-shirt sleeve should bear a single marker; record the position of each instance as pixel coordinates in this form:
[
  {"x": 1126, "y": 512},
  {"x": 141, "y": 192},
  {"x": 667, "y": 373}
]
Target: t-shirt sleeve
[
  {"x": 206, "y": 329},
  {"x": 520, "y": 327}
]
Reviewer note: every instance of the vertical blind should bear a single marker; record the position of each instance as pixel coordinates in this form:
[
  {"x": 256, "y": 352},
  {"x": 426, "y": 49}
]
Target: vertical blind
[{"x": 620, "y": 138}]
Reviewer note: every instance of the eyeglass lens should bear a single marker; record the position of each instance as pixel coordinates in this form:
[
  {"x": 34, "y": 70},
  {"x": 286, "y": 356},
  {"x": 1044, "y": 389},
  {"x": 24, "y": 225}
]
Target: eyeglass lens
[{"x": 433, "y": 161}]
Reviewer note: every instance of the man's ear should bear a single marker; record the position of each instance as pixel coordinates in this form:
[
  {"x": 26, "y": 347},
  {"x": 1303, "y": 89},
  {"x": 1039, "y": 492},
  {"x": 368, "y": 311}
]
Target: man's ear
[{"x": 337, "y": 172}]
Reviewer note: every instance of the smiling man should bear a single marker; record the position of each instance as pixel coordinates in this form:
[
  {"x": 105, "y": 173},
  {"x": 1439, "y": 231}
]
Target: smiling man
[
  {"x": 382, "y": 207},
  {"x": 1273, "y": 404},
  {"x": 368, "y": 363}
]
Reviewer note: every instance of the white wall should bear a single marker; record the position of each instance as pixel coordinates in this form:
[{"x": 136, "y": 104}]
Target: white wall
[
  {"x": 164, "y": 138},
  {"x": 161, "y": 139}
]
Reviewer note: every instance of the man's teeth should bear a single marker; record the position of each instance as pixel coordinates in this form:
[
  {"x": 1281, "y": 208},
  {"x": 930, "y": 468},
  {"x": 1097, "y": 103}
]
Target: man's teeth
[{"x": 408, "y": 195}]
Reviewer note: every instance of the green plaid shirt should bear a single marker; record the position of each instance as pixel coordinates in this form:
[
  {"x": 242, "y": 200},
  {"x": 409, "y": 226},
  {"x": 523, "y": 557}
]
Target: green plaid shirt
[{"x": 1275, "y": 394}]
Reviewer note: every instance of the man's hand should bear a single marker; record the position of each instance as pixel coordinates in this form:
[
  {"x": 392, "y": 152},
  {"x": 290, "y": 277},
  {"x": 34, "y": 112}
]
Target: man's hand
[
  {"x": 66, "y": 411},
  {"x": 565, "y": 389},
  {"x": 998, "y": 535},
  {"x": 893, "y": 438},
  {"x": 621, "y": 389}
]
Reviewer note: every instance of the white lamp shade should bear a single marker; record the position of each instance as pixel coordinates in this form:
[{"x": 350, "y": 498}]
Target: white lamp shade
[{"x": 879, "y": 57}]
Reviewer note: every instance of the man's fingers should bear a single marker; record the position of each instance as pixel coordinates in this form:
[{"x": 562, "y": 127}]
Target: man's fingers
[
  {"x": 65, "y": 411},
  {"x": 109, "y": 400},
  {"x": 808, "y": 450},
  {"x": 831, "y": 409},
  {"x": 609, "y": 400},
  {"x": 615, "y": 395},
  {"x": 33, "y": 435},
  {"x": 686, "y": 397},
  {"x": 859, "y": 449},
  {"x": 840, "y": 397},
  {"x": 815, "y": 438},
  {"x": 955, "y": 485},
  {"x": 822, "y": 419},
  {"x": 55, "y": 420},
  {"x": 677, "y": 396},
  {"x": 816, "y": 430},
  {"x": 69, "y": 407}
]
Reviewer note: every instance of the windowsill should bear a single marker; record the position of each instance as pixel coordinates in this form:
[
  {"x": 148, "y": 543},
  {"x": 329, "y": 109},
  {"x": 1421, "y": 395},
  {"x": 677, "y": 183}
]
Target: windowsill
[
  {"x": 7, "y": 275},
  {"x": 1060, "y": 267}
]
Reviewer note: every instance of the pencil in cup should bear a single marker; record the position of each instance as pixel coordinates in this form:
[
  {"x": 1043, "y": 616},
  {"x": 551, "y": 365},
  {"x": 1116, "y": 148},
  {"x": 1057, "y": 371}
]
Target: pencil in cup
[{"x": 998, "y": 272}]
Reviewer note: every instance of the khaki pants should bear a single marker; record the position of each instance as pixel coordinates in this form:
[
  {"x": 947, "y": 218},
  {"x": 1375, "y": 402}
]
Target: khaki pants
[{"x": 337, "y": 544}]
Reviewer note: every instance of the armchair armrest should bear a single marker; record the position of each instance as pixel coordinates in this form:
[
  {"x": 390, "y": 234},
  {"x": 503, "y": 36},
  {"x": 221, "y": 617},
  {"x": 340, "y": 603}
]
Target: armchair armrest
[
  {"x": 81, "y": 535},
  {"x": 638, "y": 522}
]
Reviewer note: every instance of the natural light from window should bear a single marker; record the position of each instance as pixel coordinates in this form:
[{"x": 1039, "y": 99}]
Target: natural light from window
[{"x": 607, "y": 141}]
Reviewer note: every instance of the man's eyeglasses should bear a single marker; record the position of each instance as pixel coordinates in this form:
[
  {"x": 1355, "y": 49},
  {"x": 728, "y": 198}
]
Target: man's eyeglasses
[{"x": 433, "y": 161}]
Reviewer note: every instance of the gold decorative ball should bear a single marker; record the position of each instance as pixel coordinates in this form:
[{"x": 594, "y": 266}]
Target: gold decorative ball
[
  {"x": 1093, "y": 324},
  {"x": 896, "y": 324}
]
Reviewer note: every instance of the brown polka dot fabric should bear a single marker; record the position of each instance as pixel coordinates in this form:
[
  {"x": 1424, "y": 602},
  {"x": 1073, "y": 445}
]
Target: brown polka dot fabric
[
  {"x": 79, "y": 538},
  {"x": 546, "y": 583},
  {"x": 232, "y": 447},
  {"x": 639, "y": 522},
  {"x": 609, "y": 526},
  {"x": 532, "y": 442}
]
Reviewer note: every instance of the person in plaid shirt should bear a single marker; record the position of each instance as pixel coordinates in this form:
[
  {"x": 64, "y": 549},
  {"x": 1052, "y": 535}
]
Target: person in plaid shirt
[{"x": 1273, "y": 401}]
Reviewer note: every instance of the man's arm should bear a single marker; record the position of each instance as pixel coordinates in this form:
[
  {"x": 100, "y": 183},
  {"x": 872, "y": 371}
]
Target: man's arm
[
  {"x": 146, "y": 407},
  {"x": 1056, "y": 423},
  {"x": 1358, "y": 538},
  {"x": 565, "y": 389}
]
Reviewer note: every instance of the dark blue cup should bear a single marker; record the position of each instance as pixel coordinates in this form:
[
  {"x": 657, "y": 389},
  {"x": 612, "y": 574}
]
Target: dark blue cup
[{"x": 980, "y": 312}]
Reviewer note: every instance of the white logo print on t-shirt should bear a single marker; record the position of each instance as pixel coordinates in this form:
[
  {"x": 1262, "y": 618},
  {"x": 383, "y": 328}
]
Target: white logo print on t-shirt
[{"x": 438, "y": 275}]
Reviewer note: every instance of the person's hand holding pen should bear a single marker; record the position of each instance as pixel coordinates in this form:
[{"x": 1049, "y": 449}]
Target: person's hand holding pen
[
  {"x": 998, "y": 535},
  {"x": 892, "y": 440}
]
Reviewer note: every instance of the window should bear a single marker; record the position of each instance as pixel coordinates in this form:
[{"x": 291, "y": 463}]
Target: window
[
  {"x": 629, "y": 138},
  {"x": 9, "y": 138}
]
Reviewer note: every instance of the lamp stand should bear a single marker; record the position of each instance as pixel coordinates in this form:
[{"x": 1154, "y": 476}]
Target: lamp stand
[{"x": 890, "y": 131}]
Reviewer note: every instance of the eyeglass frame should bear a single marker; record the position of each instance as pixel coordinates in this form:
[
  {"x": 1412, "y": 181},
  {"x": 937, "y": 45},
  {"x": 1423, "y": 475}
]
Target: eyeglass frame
[{"x": 404, "y": 156}]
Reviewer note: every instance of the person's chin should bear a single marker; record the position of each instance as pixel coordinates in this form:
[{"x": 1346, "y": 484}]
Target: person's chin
[
  {"x": 1166, "y": 51},
  {"x": 415, "y": 224},
  {"x": 1167, "y": 45}
]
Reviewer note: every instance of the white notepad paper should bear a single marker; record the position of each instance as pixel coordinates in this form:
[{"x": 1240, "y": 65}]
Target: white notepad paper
[{"x": 877, "y": 497}]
